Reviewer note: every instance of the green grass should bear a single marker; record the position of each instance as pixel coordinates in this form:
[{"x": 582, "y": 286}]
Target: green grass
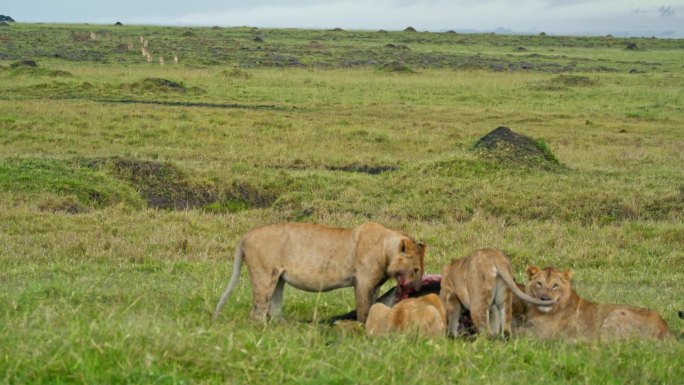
[{"x": 98, "y": 286}]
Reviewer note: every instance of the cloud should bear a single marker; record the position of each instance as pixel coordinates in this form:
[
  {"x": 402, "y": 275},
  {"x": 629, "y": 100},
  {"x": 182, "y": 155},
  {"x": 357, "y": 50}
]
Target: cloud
[
  {"x": 666, "y": 11},
  {"x": 636, "y": 17}
]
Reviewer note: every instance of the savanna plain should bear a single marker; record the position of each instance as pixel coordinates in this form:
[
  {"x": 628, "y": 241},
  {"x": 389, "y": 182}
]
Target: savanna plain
[{"x": 126, "y": 184}]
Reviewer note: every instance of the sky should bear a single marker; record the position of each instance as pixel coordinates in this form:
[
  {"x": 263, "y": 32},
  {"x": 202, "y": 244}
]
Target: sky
[{"x": 558, "y": 17}]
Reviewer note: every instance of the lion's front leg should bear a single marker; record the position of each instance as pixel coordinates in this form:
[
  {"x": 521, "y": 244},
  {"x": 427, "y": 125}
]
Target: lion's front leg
[{"x": 365, "y": 296}]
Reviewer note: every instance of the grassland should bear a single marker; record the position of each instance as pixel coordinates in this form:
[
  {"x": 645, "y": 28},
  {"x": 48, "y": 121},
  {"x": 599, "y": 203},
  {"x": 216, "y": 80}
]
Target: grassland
[{"x": 123, "y": 195}]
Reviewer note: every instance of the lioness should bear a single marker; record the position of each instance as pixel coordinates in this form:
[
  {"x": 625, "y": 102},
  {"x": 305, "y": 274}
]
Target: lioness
[
  {"x": 317, "y": 258},
  {"x": 425, "y": 314},
  {"x": 572, "y": 317},
  {"x": 482, "y": 283},
  {"x": 431, "y": 284}
]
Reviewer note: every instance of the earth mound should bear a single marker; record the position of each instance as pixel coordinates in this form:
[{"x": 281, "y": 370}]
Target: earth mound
[
  {"x": 159, "y": 85},
  {"x": 409, "y": 29},
  {"x": 24, "y": 64},
  {"x": 510, "y": 148},
  {"x": 396, "y": 66},
  {"x": 165, "y": 186}
]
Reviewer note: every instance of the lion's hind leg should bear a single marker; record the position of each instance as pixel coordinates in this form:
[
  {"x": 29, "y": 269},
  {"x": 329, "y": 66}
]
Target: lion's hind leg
[
  {"x": 275, "y": 305},
  {"x": 377, "y": 323},
  {"x": 501, "y": 310},
  {"x": 628, "y": 322},
  {"x": 267, "y": 293}
]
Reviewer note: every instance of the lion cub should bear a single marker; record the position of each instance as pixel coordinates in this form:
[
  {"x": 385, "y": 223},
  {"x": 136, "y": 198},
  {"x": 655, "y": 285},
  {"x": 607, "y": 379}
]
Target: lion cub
[
  {"x": 573, "y": 317},
  {"x": 425, "y": 314},
  {"x": 482, "y": 283}
]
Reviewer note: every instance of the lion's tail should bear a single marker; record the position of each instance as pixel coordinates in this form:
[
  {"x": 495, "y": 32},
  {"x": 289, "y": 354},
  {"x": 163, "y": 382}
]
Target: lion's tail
[
  {"x": 239, "y": 253},
  {"x": 507, "y": 275}
]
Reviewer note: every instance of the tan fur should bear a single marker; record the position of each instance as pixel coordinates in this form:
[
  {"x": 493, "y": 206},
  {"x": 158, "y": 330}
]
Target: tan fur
[
  {"x": 575, "y": 318},
  {"x": 425, "y": 314},
  {"x": 481, "y": 282},
  {"x": 318, "y": 258}
]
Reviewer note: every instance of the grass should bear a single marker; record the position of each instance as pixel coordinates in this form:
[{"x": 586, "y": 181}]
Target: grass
[{"x": 102, "y": 285}]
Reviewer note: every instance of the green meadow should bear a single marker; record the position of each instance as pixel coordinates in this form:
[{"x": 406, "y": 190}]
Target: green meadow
[{"x": 126, "y": 184}]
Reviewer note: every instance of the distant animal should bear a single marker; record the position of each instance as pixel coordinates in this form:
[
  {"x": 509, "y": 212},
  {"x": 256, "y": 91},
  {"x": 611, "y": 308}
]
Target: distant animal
[
  {"x": 572, "y": 317},
  {"x": 425, "y": 314},
  {"x": 482, "y": 283},
  {"x": 316, "y": 258}
]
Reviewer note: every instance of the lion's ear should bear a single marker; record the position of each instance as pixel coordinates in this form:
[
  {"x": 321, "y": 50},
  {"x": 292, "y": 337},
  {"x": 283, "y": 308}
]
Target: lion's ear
[
  {"x": 531, "y": 271},
  {"x": 422, "y": 247},
  {"x": 567, "y": 274},
  {"x": 403, "y": 245}
]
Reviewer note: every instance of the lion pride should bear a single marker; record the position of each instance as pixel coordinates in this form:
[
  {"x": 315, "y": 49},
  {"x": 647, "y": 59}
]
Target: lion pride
[
  {"x": 575, "y": 318},
  {"x": 316, "y": 258}
]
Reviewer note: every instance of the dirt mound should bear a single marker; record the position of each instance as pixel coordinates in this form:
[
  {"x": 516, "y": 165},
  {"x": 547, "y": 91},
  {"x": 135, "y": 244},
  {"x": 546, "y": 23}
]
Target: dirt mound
[
  {"x": 159, "y": 85},
  {"x": 236, "y": 73},
  {"x": 396, "y": 66},
  {"x": 162, "y": 184},
  {"x": 364, "y": 168},
  {"x": 66, "y": 205},
  {"x": 573, "y": 80},
  {"x": 409, "y": 29},
  {"x": 165, "y": 186},
  {"x": 123, "y": 48},
  {"x": 630, "y": 45},
  {"x": 397, "y": 46},
  {"x": 510, "y": 148},
  {"x": 24, "y": 63}
]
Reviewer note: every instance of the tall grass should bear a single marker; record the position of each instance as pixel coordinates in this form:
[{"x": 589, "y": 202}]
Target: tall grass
[{"x": 96, "y": 286}]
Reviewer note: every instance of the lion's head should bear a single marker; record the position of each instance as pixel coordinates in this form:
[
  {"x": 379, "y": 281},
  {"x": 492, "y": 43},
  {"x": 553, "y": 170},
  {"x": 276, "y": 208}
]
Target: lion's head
[
  {"x": 549, "y": 284},
  {"x": 406, "y": 263}
]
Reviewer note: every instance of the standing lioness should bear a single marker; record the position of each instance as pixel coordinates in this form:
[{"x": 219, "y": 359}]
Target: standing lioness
[
  {"x": 319, "y": 258},
  {"x": 573, "y": 317},
  {"x": 482, "y": 283}
]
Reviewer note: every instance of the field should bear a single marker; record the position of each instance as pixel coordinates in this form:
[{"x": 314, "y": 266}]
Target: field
[{"x": 125, "y": 185}]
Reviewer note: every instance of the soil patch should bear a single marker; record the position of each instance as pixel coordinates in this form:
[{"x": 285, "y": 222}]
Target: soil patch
[
  {"x": 573, "y": 81},
  {"x": 155, "y": 85},
  {"x": 162, "y": 184},
  {"x": 510, "y": 148},
  {"x": 24, "y": 64},
  {"x": 66, "y": 205},
  {"x": 236, "y": 73},
  {"x": 396, "y": 66},
  {"x": 363, "y": 168},
  {"x": 165, "y": 186},
  {"x": 192, "y": 104}
]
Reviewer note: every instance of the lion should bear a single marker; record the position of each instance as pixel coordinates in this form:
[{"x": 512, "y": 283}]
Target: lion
[
  {"x": 425, "y": 314},
  {"x": 317, "y": 258},
  {"x": 482, "y": 283},
  {"x": 572, "y": 317},
  {"x": 431, "y": 284}
]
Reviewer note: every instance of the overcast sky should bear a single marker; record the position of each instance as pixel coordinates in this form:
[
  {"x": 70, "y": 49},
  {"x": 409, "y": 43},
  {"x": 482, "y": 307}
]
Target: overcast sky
[{"x": 577, "y": 17}]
